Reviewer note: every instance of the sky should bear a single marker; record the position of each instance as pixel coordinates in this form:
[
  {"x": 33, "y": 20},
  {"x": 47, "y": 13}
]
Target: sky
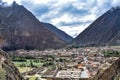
[{"x": 71, "y": 16}]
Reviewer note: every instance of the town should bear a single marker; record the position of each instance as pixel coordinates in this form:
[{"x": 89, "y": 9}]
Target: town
[{"x": 73, "y": 63}]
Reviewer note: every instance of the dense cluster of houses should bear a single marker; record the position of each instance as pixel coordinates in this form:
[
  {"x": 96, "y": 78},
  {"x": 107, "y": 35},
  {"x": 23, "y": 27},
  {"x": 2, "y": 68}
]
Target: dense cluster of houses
[{"x": 76, "y": 63}]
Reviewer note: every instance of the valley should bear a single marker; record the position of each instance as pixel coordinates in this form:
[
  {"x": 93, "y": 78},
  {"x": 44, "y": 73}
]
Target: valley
[
  {"x": 31, "y": 49},
  {"x": 75, "y": 63}
]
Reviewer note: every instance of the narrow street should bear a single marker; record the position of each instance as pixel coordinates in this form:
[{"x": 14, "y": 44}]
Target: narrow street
[{"x": 85, "y": 72}]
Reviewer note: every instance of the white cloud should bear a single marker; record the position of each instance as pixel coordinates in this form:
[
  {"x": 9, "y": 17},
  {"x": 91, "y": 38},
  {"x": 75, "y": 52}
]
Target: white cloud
[
  {"x": 64, "y": 18},
  {"x": 89, "y": 17},
  {"x": 116, "y": 2},
  {"x": 74, "y": 30},
  {"x": 41, "y": 1}
]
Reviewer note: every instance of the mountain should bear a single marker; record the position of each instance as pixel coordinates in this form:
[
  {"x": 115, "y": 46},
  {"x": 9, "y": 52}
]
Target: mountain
[
  {"x": 58, "y": 32},
  {"x": 103, "y": 31},
  {"x": 21, "y": 30},
  {"x": 115, "y": 40}
]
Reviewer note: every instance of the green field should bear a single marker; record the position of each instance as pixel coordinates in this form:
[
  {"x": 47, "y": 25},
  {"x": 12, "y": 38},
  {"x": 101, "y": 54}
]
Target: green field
[
  {"x": 111, "y": 53},
  {"x": 32, "y": 77},
  {"x": 2, "y": 74},
  {"x": 27, "y": 64}
]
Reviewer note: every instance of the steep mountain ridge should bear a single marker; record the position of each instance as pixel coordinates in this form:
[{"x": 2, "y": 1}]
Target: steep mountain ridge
[
  {"x": 21, "y": 30},
  {"x": 58, "y": 32},
  {"x": 101, "y": 31}
]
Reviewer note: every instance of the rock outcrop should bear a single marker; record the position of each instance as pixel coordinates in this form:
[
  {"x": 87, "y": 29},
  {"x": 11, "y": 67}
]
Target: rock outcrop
[
  {"x": 11, "y": 71},
  {"x": 110, "y": 73}
]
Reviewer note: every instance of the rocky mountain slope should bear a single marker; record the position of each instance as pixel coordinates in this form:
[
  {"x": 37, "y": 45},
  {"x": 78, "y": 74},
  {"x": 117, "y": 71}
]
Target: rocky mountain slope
[
  {"x": 103, "y": 31},
  {"x": 59, "y": 33},
  {"x": 21, "y": 30}
]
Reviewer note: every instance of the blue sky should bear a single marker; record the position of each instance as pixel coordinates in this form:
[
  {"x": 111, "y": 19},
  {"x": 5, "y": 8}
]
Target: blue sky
[{"x": 71, "y": 16}]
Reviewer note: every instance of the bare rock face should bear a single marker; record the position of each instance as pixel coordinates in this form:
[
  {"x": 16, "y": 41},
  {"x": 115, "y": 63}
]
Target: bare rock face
[
  {"x": 110, "y": 73},
  {"x": 103, "y": 31},
  {"x": 21, "y": 30},
  {"x": 12, "y": 72}
]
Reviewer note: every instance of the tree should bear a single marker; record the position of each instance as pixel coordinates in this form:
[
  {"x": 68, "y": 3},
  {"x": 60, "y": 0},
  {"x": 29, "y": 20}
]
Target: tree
[{"x": 31, "y": 64}]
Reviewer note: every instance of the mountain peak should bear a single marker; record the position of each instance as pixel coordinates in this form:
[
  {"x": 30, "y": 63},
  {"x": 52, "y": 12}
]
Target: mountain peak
[
  {"x": 115, "y": 8},
  {"x": 15, "y": 4},
  {"x": 22, "y": 30},
  {"x": 102, "y": 31}
]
